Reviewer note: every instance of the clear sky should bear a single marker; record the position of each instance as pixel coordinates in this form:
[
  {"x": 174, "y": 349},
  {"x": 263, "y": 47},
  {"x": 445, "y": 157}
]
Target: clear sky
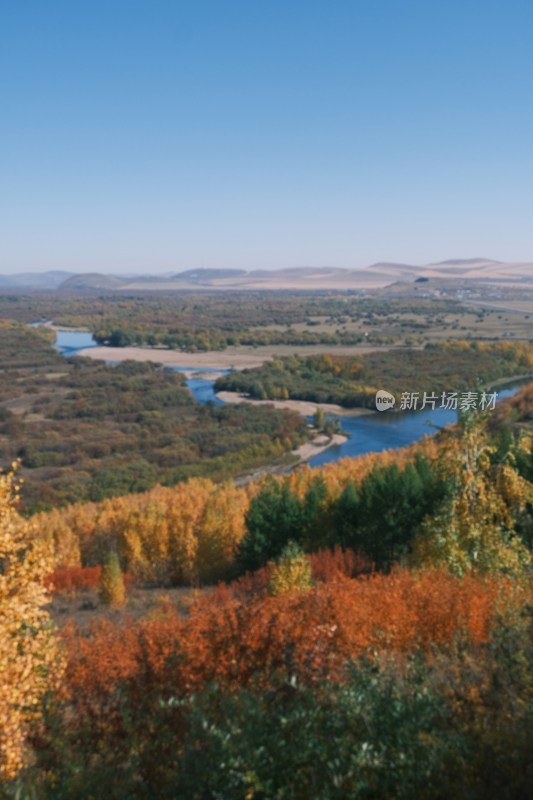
[{"x": 163, "y": 135}]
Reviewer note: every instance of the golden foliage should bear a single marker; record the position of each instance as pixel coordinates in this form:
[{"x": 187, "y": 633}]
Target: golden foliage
[
  {"x": 187, "y": 533},
  {"x": 473, "y": 531},
  {"x": 112, "y": 589},
  {"x": 292, "y": 571},
  {"x": 184, "y": 534},
  {"x": 30, "y": 662}
]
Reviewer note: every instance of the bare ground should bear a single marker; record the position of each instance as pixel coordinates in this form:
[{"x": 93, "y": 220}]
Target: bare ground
[
  {"x": 303, "y": 407},
  {"x": 232, "y": 358}
]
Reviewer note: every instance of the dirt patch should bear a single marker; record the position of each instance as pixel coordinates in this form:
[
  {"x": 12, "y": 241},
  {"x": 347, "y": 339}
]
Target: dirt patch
[
  {"x": 232, "y": 358},
  {"x": 83, "y": 607}
]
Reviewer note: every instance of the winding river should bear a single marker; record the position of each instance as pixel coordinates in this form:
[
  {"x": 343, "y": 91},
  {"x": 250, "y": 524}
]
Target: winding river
[{"x": 367, "y": 434}]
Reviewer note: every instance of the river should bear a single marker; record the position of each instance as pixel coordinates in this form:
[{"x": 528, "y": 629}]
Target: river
[{"x": 370, "y": 433}]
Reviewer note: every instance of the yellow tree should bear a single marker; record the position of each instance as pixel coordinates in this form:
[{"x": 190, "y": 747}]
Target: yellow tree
[
  {"x": 474, "y": 528},
  {"x": 112, "y": 589},
  {"x": 292, "y": 571},
  {"x": 30, "y": 661}
]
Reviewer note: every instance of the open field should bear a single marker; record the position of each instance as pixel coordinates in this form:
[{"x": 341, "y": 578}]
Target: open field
[
  {"x": 232, "y": 358},
  {"x": 516, "y": 305}
]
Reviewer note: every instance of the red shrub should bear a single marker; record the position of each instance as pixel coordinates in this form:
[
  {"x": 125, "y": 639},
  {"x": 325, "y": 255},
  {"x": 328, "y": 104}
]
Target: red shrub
[
  {"x": 329, "y": 565},
  {"x": 71, "y": 579}
]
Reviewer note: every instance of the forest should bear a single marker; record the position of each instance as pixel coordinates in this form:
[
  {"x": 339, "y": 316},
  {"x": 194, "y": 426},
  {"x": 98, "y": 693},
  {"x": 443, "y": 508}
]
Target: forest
[
  {"x": 364, "y": 630},
  {"x": 85, "y": 430},
  {"x": 352, "y": 381}
]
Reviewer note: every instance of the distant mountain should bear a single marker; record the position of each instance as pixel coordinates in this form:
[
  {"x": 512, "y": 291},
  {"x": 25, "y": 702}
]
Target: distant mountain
[
  {"x": 458, "y": 261},
  {"x": 391, "y": 265},
  {"x": 378, "y": 275},
  {"x": 93, "y": 281},
  {"x": 36, "y": 280},
  {"x": 206, "y": 275}
]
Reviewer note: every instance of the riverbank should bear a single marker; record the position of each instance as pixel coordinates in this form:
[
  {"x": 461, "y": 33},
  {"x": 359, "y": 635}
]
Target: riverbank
[{"x": 305, "y": 453}]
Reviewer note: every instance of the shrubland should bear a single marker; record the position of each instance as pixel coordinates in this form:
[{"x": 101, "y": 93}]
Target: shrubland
[{"x": 86, "y": 430}]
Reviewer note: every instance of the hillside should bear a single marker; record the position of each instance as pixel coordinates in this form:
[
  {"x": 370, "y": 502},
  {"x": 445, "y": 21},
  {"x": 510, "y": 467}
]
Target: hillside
[{"x": 472, "y": 271}]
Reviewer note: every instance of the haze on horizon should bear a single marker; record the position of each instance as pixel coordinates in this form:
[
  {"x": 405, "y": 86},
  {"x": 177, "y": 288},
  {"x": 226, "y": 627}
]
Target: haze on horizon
[{"x": 174, "y": 136}]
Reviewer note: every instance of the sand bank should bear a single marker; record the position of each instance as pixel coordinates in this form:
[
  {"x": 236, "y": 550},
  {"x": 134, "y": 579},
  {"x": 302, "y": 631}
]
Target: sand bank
[
  {"x": 317, "y": 445},
  {"x": 303, "y": 407},
  {"x": 175, "y": 358}
]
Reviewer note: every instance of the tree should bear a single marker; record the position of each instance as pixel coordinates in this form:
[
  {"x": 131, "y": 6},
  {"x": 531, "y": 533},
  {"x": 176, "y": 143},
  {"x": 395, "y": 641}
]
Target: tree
[
  {"x": 120, "y": 338},
  {"x": 292, "y": 571},
  {"x": 346, "y": 514},
  {"x": 112, "y": 590},
  {"x": 474, "y": 529},
  {"x": 319, "y": 419},
  {"x": 30, "y": 662},
  {"x": 274, "y": 517},
  {"x": 389, "y": 506}
]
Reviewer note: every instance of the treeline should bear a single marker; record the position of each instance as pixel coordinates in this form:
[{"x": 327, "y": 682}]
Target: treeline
[
  {"x": 191, "y": 533},
  {"x": 84, "y": 430},
  {"x": 350, "y": 381}
]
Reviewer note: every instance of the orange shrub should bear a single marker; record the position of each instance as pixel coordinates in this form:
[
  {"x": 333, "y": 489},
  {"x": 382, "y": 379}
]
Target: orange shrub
[
  {"x": 330, "y": 565},
  {"x": 234, "y": 637}
]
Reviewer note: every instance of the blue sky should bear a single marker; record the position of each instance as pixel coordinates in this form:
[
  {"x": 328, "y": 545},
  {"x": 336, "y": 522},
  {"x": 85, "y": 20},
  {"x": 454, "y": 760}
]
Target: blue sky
[{"x": 160, "y": 136}]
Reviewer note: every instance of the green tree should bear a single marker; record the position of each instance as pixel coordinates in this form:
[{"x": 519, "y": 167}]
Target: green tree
[
  {"x": 120, "y": 338},
  {"x": 346, "y": 515},
  {"x": 391, "y": 504},
  {"x": 274, "y": 517},
  {"x": 319, "y": 419}
]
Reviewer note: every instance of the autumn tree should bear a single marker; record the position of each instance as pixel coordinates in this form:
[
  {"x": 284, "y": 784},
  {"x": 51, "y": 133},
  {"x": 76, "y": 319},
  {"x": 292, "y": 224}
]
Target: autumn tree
[
  {"x": 292, "y": 571},
  {"x": 112, "y": 590},
  {"x": 474, "y": 529},
  {"x": 30, "y": 661}
]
